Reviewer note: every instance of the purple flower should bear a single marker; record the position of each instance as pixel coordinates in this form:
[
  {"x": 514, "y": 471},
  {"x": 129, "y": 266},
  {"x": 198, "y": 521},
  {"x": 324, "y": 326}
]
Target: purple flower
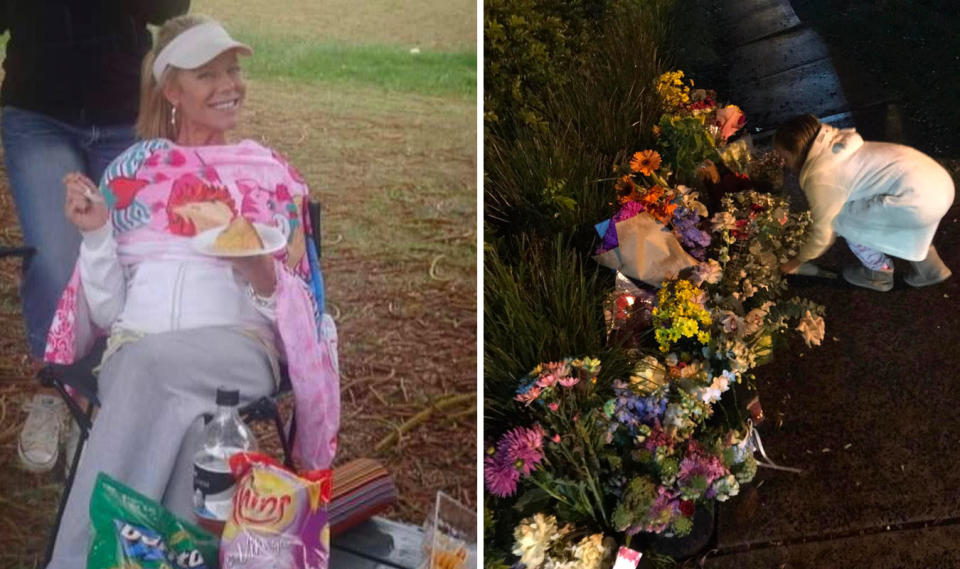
[
  {"x": 631, "y": 410},
  {"x": 522, "y": 448},
  {"x": 628, "y": 210},
  {"x": 699, "y": 463},
  {"x": 500, "y": 476},
  {"x": 686, "y": 227},
  {"x": 664, "y": 509}
]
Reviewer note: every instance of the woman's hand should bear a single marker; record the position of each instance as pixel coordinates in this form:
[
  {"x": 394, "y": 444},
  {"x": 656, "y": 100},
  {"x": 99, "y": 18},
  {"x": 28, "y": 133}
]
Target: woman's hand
[
  {"x": 259, "y": 271},
  {"x": 84, "y": 206},
  {"x": 790, "y": 266}
]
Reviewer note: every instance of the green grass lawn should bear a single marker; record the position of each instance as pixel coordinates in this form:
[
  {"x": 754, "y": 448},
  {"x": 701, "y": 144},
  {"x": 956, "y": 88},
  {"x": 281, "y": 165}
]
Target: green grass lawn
[{"x": 387, "y": 67}]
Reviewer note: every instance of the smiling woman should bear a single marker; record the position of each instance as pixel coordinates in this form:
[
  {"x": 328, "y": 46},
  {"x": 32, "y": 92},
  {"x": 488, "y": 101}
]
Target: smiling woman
[
  {"x": 193, "y": 88},
  {"x": 182, "y": 323}
]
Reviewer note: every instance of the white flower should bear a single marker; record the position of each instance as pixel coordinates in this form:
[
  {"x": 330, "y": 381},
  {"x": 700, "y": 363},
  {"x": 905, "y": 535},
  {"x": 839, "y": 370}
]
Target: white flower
[
  {"x": 649, "y": 374},
  {"x": 708, "y": 272},
  {"x": 591, "y": 551},
  {"x": 726, "y": 487},
  {"x": 731, "y": 323},
  {"x": 674, "y": 416},
  {"x": 723, "y": 220},
  {"x": 812, "y": 328},
  {"x": 720, "y": 384},
  {"x": 753, "y": 321},
  {"x": 532, "y": 539}
]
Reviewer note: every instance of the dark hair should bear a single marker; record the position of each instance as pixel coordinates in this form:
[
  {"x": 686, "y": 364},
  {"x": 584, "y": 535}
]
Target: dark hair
[{"x": 797, "y": 134}]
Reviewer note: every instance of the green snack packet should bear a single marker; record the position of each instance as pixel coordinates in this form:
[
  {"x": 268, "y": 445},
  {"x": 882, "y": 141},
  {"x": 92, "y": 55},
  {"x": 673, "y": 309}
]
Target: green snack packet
[{"x": 131, "y": 530}]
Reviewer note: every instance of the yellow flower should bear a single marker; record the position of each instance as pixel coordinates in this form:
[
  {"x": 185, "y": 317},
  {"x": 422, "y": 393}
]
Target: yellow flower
[{"x": 673, "y": 93}]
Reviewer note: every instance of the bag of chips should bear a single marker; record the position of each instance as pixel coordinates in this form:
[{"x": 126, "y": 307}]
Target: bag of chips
[
  {"x": 133, "y": 531},
  {"x": 279, "y": 518}
]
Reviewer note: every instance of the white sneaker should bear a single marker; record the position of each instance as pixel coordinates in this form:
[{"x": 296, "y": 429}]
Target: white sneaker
[{"x": 39, "y": 442}]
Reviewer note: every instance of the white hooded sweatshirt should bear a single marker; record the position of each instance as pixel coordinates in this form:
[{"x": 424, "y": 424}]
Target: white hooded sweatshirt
[{"x": 885, "y": 196}]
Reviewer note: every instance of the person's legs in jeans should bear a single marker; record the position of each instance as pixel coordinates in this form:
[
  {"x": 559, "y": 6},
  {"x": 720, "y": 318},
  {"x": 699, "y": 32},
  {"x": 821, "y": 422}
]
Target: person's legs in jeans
[
  {"x": 871, "y": 258},
  {"x": 876, "y": 273},
  {"x": 38, "y": 152}
]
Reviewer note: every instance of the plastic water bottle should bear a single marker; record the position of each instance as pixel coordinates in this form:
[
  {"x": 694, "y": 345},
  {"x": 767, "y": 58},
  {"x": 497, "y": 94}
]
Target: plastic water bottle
[{"x": 213, "y": 483}]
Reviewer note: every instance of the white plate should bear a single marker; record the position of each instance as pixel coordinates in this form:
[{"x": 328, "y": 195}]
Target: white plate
[{"x": 273, "y": 241}]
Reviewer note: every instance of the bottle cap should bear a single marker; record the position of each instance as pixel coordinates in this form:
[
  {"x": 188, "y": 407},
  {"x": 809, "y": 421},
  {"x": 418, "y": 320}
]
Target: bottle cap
[{"x": 228, "y": 397}]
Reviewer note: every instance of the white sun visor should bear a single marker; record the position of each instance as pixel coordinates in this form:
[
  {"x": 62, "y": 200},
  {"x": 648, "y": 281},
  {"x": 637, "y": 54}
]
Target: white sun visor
[{"x": 195, "y": 47}]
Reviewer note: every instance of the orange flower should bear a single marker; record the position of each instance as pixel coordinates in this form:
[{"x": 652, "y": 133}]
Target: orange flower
[
  {"x": 653, "y": 195},
  {"x": 645, "y": 162},
  {"x": 626, "y": 190}
]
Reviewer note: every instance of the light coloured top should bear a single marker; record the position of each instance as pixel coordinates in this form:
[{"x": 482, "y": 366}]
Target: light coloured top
[
  {"x": 156, "y": 296},
  {"x": 885, "y": 196}
]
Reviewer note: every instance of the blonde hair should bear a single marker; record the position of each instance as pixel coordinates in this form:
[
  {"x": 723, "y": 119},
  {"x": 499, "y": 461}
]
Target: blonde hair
[
  {"x": 155, "y": 119},
  {"x": 796, "y": 136}
]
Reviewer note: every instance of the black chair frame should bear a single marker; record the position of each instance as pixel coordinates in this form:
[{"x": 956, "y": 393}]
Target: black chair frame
[{"x": 79, "y": 378}]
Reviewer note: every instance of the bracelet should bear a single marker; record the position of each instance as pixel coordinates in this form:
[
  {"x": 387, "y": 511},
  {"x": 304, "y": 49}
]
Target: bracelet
[{"x": 261, "y": 301}]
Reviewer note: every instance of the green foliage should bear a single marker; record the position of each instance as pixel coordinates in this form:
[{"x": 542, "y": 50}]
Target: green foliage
[
  {"x": 528, "y": 46},
  {"x": 557, "y": 177},
  {"x": 637, "y": 500},
  {"x": 681, "y": 526},
  {"x": 746, "y": 470},
  {"x": 543, "y": 309},
  {"x": 685, "y": 143}
]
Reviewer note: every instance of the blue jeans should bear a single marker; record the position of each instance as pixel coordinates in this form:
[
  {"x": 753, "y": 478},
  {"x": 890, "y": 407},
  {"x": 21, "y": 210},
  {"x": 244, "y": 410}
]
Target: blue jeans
[
  {"x": 871, "y": 258},
  {"x": 39, "y": 151}
]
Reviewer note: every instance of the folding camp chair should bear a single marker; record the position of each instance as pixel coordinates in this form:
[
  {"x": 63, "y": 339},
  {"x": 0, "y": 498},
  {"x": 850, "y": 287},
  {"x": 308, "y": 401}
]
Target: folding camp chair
[{"x": 78, "y": 377}]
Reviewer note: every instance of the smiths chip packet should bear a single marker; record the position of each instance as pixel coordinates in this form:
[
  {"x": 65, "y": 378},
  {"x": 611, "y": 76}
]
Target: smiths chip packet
[
  {"x": 279, "y": 518},
  {"x": 131, "y": 530}
]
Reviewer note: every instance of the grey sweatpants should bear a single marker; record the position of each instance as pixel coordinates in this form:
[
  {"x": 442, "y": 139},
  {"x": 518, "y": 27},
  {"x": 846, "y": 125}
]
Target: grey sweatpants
[{"x": 153, "y": 393}]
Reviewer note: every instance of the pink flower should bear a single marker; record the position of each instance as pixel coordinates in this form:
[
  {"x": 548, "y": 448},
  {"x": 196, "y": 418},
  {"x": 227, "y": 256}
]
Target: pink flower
[
  {"x": 500, "y": 476},
  {"x": 556, "y": 438},
  {"x": 547, "y": 380},
  {"x": 554, "y": 406},
  {"x": 522, "y": 448},
  {"x": 570, "y": 381},
  {"x": 699, "y": 462},
  {"x": 730, "y": 119},
  {"x": 658, "y": 438},
  {"x": 530, "y": 395}
]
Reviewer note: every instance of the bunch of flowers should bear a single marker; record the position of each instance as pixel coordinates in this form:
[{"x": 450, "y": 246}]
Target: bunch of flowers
[
  {"x": 681, "y": 316},
  {"x": 645, "y": 189},
  {"x": 634, "y": 456},
  {"x": 674, "y": 94},
  {"x": 756, "y": 233},
  {"x": 694, "y": 128},
  {"x": 639, "y": 453},
  {"x": 541, "y": 544}
]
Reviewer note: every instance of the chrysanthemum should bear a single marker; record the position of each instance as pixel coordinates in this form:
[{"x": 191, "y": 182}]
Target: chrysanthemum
[
  {"x": 645, "y": 162},
  {"x": 500, "y": 476},
  {"x": 533, "y": 537},
  {"x": 522, "y": 448}
]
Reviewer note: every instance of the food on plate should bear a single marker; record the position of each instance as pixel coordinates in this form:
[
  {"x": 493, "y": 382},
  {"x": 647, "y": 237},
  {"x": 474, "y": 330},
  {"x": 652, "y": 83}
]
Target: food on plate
[{"x": 240, "y": 235}]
